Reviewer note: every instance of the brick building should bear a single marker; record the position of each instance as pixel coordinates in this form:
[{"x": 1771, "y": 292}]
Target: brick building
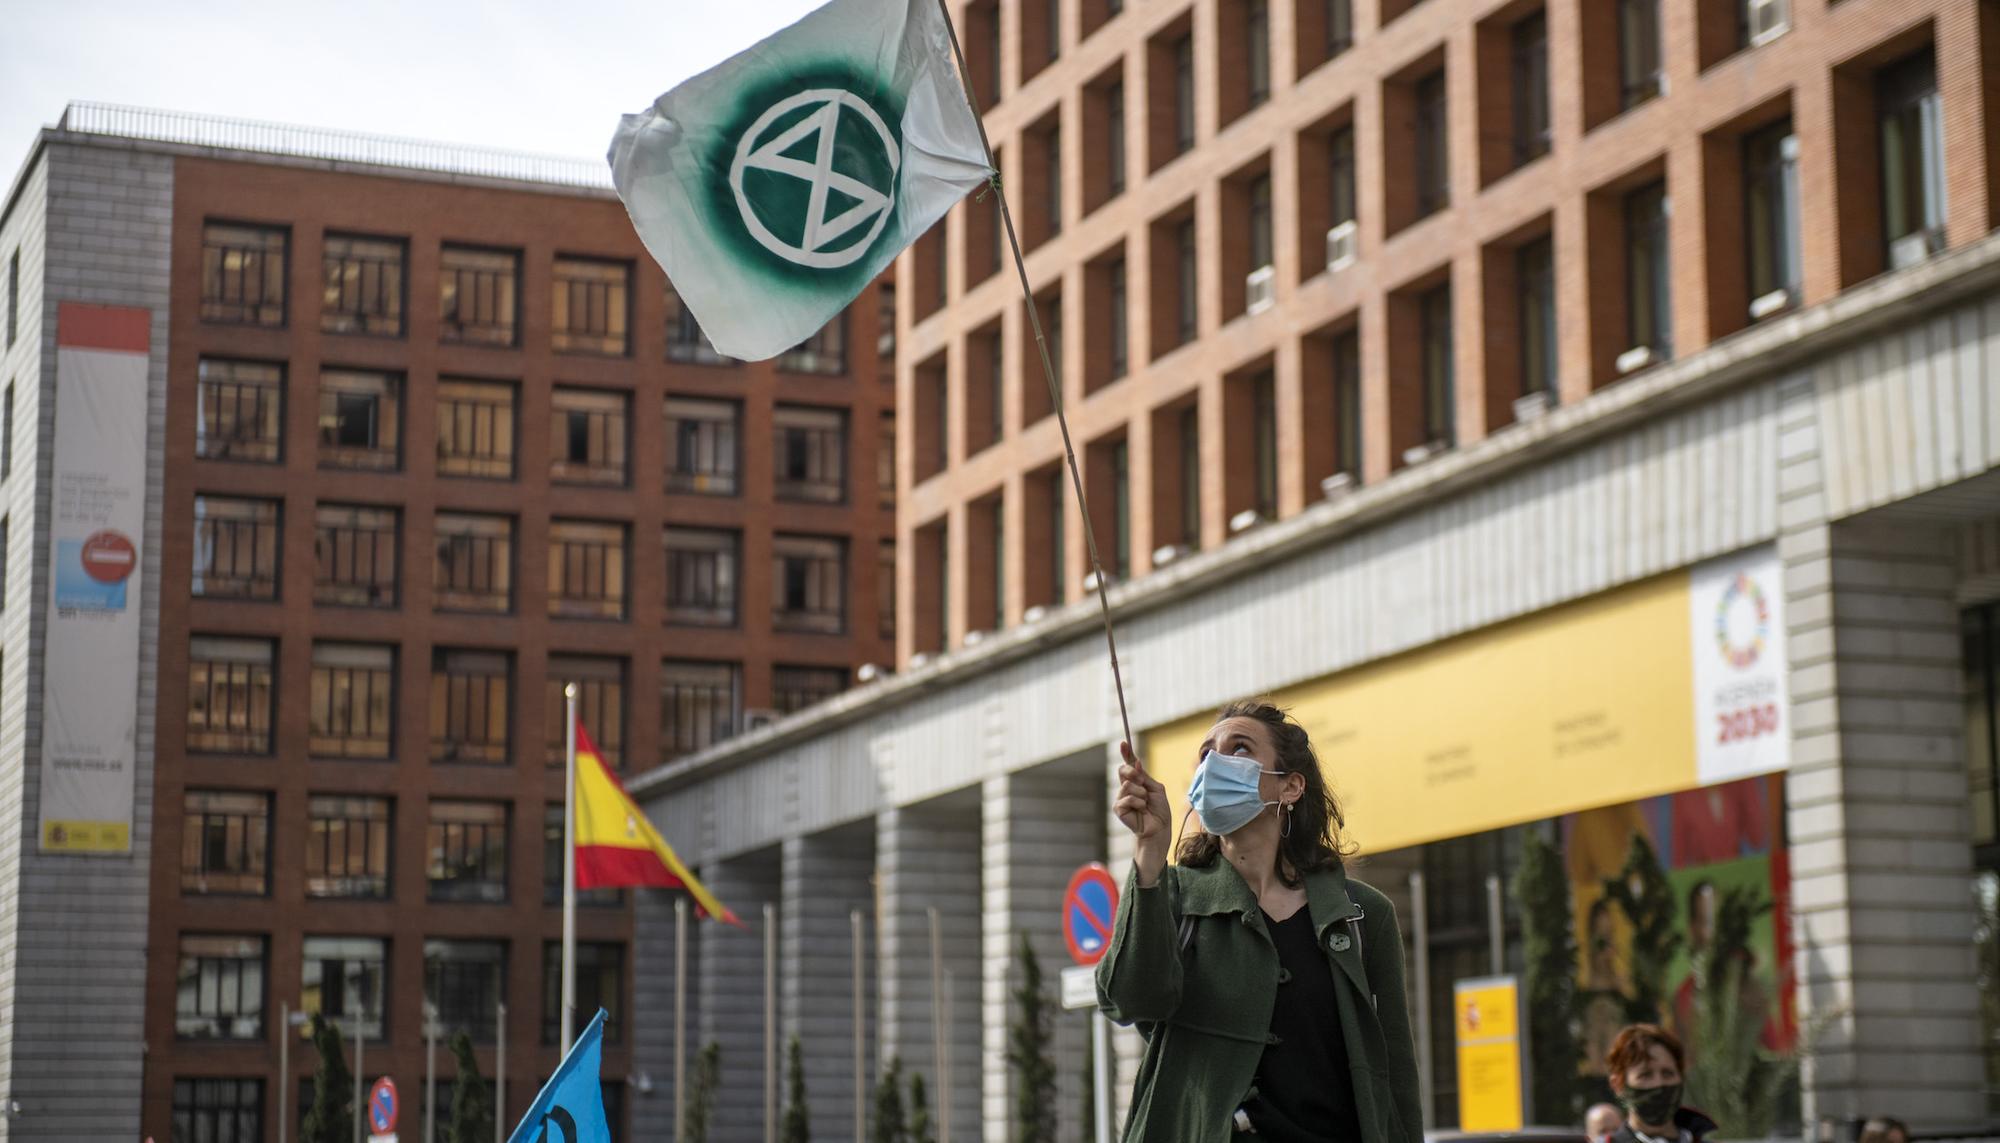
[
  {"x": 1581, "y": 412},
  {"x": 428, "y": 435}
]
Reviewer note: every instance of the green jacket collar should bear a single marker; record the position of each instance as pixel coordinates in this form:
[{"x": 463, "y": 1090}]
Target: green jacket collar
[{"x": 1218, "y": 888}]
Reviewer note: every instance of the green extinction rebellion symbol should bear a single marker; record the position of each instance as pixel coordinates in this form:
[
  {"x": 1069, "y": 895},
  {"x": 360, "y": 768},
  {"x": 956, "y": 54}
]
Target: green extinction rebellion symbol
[{"x": 815, "y": 178}]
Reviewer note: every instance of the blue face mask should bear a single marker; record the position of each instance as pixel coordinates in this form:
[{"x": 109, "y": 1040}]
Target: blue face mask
[{"x": 1225, "y": 794}]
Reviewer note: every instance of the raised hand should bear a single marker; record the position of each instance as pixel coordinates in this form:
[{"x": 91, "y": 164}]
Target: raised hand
[{"x": 1141, "y": 806}]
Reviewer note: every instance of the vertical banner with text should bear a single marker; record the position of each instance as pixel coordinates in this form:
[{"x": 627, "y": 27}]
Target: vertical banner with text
[
  {"x": 1492, "y": 1086},
  {"x": 97, "y": 520}
]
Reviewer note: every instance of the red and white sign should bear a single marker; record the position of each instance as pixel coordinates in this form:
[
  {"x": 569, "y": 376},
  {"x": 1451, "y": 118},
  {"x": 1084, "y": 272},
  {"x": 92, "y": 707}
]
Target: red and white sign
[
  {"x": 1089, "y": 909},
  {"x": 109, "y": 557}
]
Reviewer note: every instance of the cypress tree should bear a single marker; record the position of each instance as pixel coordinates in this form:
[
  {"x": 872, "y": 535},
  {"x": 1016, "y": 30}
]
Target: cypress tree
[{"x": 331, "y": 1117}]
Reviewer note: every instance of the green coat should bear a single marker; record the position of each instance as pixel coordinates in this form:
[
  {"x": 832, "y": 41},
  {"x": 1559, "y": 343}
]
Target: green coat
[{"x": 1206, "y": 1027}]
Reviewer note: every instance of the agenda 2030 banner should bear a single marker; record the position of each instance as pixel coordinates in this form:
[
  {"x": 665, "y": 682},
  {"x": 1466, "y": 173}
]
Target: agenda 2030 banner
[{"x": 97, "y": 507}]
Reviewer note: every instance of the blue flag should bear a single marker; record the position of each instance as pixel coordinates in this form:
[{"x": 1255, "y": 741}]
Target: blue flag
[{"x": 571, "y": 1106}]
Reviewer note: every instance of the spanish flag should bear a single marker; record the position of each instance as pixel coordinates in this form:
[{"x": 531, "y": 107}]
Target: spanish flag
[{"x": 616, "y": 847}]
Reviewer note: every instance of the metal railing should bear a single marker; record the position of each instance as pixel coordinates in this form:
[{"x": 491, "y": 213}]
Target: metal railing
[{"x": 337, "y": 146}]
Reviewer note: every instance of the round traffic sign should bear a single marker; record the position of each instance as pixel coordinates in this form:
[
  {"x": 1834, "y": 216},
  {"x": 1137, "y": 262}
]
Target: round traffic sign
[
  {"x": 109, "y": 557},
  {"x": 1090, "y": 905},
  {"x": 382, "y": 1106}
]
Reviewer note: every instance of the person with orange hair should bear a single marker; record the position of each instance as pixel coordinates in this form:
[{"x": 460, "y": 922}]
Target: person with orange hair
[{"x": 1647, "y": 1068}]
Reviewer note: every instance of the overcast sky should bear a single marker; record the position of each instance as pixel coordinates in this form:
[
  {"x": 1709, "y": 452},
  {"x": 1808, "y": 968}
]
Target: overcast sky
[{"x": 549, "y": 76}]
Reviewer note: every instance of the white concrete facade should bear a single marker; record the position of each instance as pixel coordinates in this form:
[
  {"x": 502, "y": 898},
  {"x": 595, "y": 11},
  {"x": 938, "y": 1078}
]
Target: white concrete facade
[{"x": 1862, "y": 436}]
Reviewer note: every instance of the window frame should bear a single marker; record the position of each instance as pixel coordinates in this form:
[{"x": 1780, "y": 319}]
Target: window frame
[
  {"x": 468, "y": 857},
  {"x": 333, "y": 536},
  {"x": 282, "y": 317},
  {"x": 266, "y": 534},
  {"x": 455, "y": 277},
  {"x": 331, "y": 814},
  {"x": 255, "y": 841},
  {"x": 595, "y": 339},
  {"x": 671, "y": 704},
  {"x": 449, "y": 668},
  {"x": 328, "y": 286},
  {"x": 805, "y": 620},
  {"x": 691, "y": 482}
]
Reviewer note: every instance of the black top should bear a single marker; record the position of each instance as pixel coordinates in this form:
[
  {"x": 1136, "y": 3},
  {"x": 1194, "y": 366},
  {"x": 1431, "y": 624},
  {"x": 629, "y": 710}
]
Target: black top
[{"x": 1305, "y": 1092}]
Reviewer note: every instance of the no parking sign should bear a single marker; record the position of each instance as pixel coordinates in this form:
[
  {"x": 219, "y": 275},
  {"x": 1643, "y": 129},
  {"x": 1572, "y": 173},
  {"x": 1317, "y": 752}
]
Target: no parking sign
[
  {"x": 1090, "y": 905},
  {"x": 382, "y": 1107}
]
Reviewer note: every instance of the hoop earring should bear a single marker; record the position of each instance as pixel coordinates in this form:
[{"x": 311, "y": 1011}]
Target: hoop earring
[{"x": 1287, "y": 831}]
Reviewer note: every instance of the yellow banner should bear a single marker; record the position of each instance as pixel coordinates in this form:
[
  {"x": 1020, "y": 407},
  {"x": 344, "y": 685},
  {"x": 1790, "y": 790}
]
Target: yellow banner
[
  {"x": 87, "y": 837},
  {"x": 1585, "y": 705},
  {"x": 1487, "y": 1014}
]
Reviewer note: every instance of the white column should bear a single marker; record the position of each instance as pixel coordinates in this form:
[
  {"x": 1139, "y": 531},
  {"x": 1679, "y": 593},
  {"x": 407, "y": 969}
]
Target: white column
[
  {"x": 732, "y": 991},
  {"x": 825, "y": 877},
  {"x": 929, "y": 856},
  {"x": 652, "y": 1029}
]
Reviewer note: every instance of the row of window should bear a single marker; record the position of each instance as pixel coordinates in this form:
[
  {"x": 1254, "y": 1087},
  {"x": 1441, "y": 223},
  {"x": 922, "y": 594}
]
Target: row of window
[
  {"x": 241, "y": 415},
  {"x": 222, "y": 986},
  {"x": 357, "y": 563},
  {"x": 364, "y": 280},
  {"x": 351, "y": 701}
]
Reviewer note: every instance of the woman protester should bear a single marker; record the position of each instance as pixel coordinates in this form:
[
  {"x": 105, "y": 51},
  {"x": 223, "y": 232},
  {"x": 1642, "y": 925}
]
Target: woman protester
[
  {"x": 1646, "y": 1066},
  {"x": 1268, "y": 984}
]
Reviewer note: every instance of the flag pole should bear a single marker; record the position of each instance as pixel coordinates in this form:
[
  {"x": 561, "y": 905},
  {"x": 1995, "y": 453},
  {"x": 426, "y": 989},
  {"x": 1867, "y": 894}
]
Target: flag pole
[
  {"x": 569, "y": 866},
  {"x": 1048, "y": 371}
]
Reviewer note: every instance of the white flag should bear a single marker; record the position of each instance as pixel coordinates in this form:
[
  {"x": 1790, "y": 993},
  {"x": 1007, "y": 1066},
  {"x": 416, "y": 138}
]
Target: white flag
[{"x": 777, "y": 184}]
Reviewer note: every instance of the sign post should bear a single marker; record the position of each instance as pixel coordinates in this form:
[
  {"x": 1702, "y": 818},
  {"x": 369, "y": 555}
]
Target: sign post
[
  {"x": 1089, "y": 908},
  {"x": 1491, "y": 1080},
  {"x": 382, "y": 1108}
]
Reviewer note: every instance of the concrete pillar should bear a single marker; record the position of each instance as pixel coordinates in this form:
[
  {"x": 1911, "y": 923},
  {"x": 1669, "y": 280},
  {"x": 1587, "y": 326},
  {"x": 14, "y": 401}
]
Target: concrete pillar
[
  {"x": 732, "y": 989},
  {"x": 652, "y": 1029},
  {"x": 1039, "y": 826},
  {"x": 825, "y": 877},
  {"x": 928, "y": 856},
  {"x": 1877, "y": 805}
]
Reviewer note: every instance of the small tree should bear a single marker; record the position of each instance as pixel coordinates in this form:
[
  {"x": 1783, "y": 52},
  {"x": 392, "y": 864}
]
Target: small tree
[
  {"x": 1028, "y": 1044},
  {"x": 794, "y": 1128},
  {"x": 331, "y": 1117},
  {"x": 889, "y": 1126},
  {"x": 701, "y": 1093},
  {"x": 1548, "y": 940},
  {"x": 920, "y": 1130},
  {"x": 1729, "y": 1074},
  {"x": 1641, "y": 890},
  {"x": 471, "y": 1097}
]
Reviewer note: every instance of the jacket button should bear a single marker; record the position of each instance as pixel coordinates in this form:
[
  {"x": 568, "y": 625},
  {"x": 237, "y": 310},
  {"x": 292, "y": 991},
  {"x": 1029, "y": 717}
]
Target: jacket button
[
  {"x": 1274, "y": 1039},
  {"x": 1284, "y": 976},
  {"x": 1249, "y": 922}
]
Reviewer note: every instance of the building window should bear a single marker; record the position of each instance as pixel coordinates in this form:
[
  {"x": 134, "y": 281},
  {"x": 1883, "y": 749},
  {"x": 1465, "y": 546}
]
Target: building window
[
  {"x": 474, "y": 565},
  {"x": 1190, "y": 449},
  {"x": 700, "y": 705},
  {"x": 239, "y": 411},
  {"x": 362, "y": 284},
  {"x": 347, "y": 847},
  {"x": 242, "y": 274},
  {"x": 463, "y": 981},
  {"x": 592, "y": 306},
  {"x": 686, "y": 341},
  {"x": 6, "y": 533},
  {"x": 885, "y": 458},
  {"x": 1121, "y": 510},
  {"x": 1260, "y": 222},
  {"x": 600, "y": 706},
  {"x": 7, "y": 434},
  {"x": 475, "y": 429},
  {"x": 1340, "y": 181},
  {"x": 355, "y": 556},
  {"x": 1187, "y": 285},
  {"x": 1347, "y": 403},
  {"x": 1532, "y": 135},
  {"x": 467, "y": 843},
  {"x": 1440, "y": 371},
  {"x": 1433, "y": 146},
  {"x": 1121, "y": 329},
  {"x": 1114, "y": 137},
  {"x": 1771, "y": 178},
  {"x": 586, "y": 570},
  {"x": 1648, "y": 289},
  {"x": 796, "y": 688},
  {"x": 221, "y": 1110},
  {"x": 808, "y": 584},
  {"x": 1058, "y": 537},
  {"x": 885, "y": 589},
  {"x": 13, "y": 297},
  {"x": 1912, "y": 134},
  {"x": 352, "y": 700},
  {"x": 1052, "y": 333},
  {"x": 702, "y": 445},
  {"x": 360, "y": 420},
  {"x": 1980, "y": 627},
  {"x": 588, "y": 440},
  {"x": 1264, "y": 418},
  {"x": 1052, "y": 184},
  {"x": 1258, "y": 33},
  {"x": 824, "y": 353},
  {"x": 479, "y": 296},
  {"x": 1639, "y": 75},
  {"x": 1339, "y": 26},
  {"x": 552, "y": 865},
  {"x": 469, "y": 706},
  {"x": 701, "y": 576},
  {"x": 343, "y": 980},
  {"x": 1183, "y": 50},
  {"x": 810, "y": 454},
  {"x": 1052, "y": 28},
  {"x": 229, "y": 696},
  {"x": 235, "y": 548},
  {"x": 220, "y": 993},
  {"x": 1535, "y": 286},
  {"x": 225, "y": 842},
  {"x": 600, "y": 983}
]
